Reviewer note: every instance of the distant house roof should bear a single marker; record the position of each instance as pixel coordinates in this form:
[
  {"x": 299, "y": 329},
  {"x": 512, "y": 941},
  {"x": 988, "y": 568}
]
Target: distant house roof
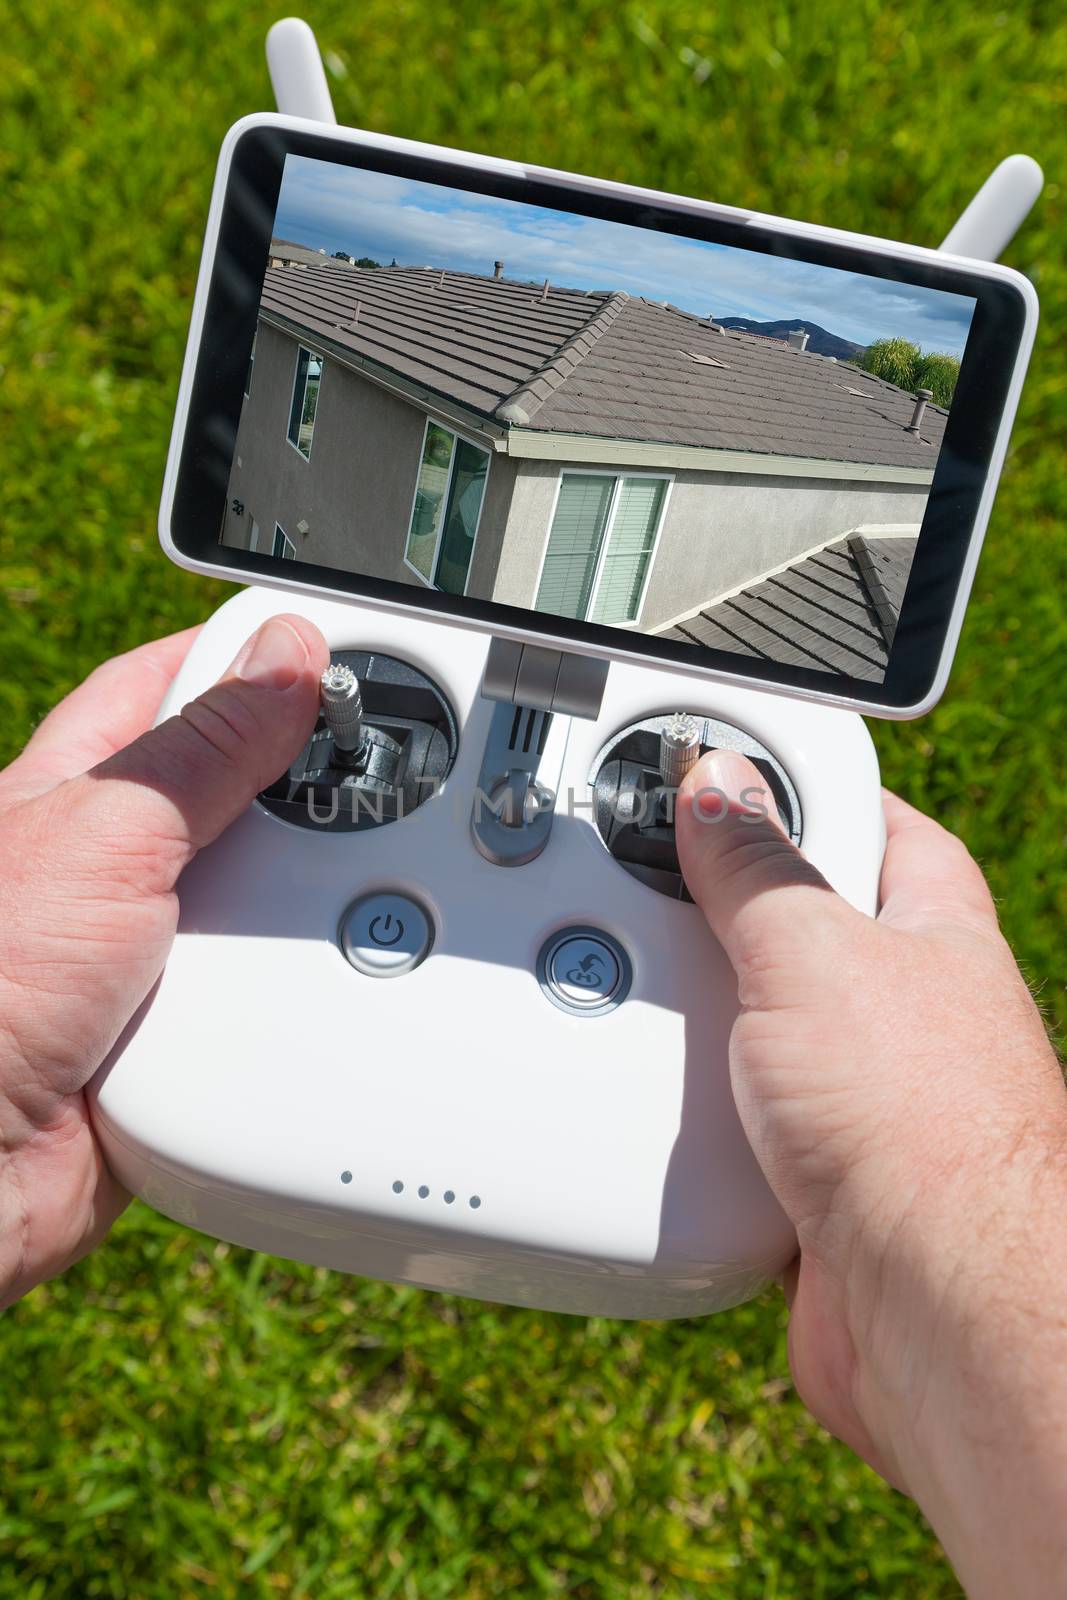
[
  {"x": 834, "y": 611},
  {"x": 602, "y": 364},
  {"x": 285, "y": 250}
]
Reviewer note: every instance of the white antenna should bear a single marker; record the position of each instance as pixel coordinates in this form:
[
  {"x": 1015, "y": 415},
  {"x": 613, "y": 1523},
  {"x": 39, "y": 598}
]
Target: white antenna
[
  {"x": 983, "y": 231},
  {"x": 997, "y": 212},
  {"x": 297, "y": 75}
]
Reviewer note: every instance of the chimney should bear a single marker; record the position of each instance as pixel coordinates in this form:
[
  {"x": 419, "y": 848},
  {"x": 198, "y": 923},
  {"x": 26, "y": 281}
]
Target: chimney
[
  {"x": 921, "y": 398},
  {"x": 498, "y": 269},
  {"x": 798, "y": 338},
  {"x": 544, "y": 291}
]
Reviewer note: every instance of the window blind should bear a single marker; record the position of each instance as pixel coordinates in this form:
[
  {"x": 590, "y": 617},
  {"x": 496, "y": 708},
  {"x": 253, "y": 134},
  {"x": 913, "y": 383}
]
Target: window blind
[
  {"x": 630, "y": 545},
  {"x": 574, "y": 544}
]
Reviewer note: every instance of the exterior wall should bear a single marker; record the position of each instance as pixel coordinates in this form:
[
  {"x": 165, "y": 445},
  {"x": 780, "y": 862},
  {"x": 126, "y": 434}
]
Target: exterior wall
[
  {"x": 356, "y": 494},
  {"x": 357, "y": 490},
  {"x": 720, "y": 530}
]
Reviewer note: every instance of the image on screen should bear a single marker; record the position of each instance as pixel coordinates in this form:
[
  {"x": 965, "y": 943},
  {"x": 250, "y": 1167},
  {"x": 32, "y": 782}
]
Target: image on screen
[{"x": 591, "y": 420}]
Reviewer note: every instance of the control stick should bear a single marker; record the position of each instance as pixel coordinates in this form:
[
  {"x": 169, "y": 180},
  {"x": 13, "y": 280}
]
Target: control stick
[
  {"x": 384, "y": 742},
  {"x": 342, "y": 707},
  {"x": 679, "y": 749}
]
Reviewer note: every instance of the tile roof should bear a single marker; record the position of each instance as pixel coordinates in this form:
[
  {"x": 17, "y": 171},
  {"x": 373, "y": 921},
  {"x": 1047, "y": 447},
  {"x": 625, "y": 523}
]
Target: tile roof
[
  {"x": 470, "y": 339},
  {"x": 284, "y": 250},
  {"x": 834, "y": 611},
  {"x": 600, "y": 363}
]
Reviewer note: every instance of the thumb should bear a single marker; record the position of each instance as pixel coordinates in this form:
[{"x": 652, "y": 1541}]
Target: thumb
[
  {"x": 766, "y": 904},
  {"x": 177, "y": 787}
]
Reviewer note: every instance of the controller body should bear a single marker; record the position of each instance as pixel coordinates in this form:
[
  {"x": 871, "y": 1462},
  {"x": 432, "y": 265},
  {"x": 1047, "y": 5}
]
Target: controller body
[{"x": 447, "y": 1121}]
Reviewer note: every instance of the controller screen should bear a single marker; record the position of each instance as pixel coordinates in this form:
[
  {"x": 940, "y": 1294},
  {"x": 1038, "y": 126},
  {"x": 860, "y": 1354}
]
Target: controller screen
[{"x": 574, "y": 416}]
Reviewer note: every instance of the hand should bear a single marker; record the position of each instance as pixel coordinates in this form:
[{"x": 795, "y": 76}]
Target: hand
[
  {"x": 900, "y": 1093},
  {"x": 94, "y": 831}
]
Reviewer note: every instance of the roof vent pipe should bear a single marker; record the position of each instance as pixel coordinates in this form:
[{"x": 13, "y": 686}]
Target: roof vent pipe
[
  {"x": 498, "y": 269},
  {"x": 798, "y": 338},
  {"x": 921, "y": 398},
  {"x": 544, "y": 291}
]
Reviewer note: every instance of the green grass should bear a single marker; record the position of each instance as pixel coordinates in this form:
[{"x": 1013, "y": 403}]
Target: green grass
[{"x": 183, "y": 1419}]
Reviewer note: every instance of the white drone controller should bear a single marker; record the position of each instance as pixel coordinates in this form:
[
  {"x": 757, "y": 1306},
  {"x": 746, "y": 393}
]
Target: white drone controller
[
  {"x": 438, "y": 1010},
  {"x": 480, "y": 1045}
]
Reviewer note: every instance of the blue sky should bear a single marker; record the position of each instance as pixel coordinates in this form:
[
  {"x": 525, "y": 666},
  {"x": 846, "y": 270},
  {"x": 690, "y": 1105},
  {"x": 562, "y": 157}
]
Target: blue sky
[{"x": 425, "y": 224}]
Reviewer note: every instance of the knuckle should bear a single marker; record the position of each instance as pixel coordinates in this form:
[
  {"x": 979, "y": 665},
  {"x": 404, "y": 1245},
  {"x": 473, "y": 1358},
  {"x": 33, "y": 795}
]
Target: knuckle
[
  {"x": 758, "y": 853},
  {"x": 225, "y": 725}
]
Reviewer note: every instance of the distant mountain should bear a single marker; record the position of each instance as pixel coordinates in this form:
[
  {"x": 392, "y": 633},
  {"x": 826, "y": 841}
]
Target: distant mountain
[{"x": 821, "y": 342}]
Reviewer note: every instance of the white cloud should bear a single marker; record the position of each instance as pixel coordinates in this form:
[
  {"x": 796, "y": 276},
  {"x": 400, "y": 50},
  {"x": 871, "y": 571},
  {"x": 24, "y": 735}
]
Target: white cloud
[{"x": 421, "y": 224}]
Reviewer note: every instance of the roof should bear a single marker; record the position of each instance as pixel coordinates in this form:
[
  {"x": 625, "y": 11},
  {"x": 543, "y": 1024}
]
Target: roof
[
  {"x": 602, "y": 364},
  {"x": 835, "y": 610},
  {"x": 286, "y": 250}
]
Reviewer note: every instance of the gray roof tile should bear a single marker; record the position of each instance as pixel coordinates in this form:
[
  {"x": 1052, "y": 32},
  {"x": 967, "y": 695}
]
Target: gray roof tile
[
  {"x": 834, "y": 611},
  {"x": 606, "y": 364}
]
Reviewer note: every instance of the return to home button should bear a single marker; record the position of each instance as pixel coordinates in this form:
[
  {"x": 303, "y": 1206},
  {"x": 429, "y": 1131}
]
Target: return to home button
[{"x": 584, "y": 971}]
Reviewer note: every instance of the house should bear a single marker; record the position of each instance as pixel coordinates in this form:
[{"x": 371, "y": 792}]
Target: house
[
  {"x": 591, "y": 454},
  {"x": 283, "y": 253}
]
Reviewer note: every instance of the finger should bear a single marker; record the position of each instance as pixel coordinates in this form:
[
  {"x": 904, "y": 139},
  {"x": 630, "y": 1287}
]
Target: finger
[
  {"x": 929, "y": 877},
  {"x": 763, "y": 901},
  {"x": 115, "y": 703},
  {"x": 177, "y": 787}
]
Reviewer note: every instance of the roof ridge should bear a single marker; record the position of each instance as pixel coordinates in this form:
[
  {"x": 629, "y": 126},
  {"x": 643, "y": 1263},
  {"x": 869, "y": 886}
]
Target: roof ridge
[
  {"x": 521, "y": 404},
  {"x": 862, "y": 554}
]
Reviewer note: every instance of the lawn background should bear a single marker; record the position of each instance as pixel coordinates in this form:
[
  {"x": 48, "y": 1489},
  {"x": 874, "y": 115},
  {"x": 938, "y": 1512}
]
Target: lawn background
[{"x": 180, "y": 1418}]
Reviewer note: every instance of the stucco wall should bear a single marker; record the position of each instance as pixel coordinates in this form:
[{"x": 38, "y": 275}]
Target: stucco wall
[
  {"x": 356, "y": 491},
  {"x": 721, "y": 529}
]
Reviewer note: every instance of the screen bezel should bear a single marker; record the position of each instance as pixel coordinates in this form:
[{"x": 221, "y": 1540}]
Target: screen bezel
[{"x": 230, "y": 316}]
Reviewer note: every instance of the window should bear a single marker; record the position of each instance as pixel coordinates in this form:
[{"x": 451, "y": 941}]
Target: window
[
  {"x": 448, "y": 503},
  {"x": 253, "y": 536},
  {"x": 628, "y": 549},
  {"x": 251, "y": 364},
  {"x": 305, "y": 401},
  {"x": 600, "y": 546},
  {"x": 283, "y": 548}
]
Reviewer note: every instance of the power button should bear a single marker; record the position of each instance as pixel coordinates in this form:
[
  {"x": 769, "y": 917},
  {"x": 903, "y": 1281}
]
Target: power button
[{"x": 384, "y": 934}]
